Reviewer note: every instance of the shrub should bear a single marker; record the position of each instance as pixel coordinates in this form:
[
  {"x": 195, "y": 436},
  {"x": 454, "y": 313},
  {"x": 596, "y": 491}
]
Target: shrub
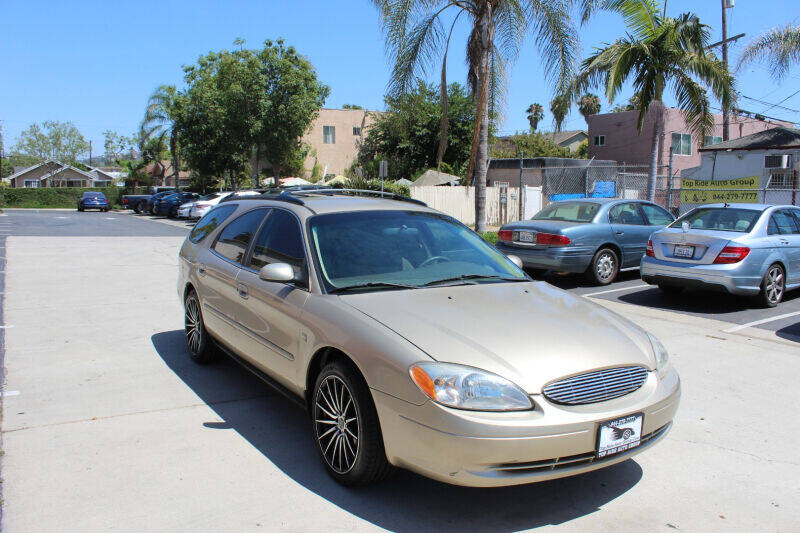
[
  {"x": 490, "y": 237},
  {"x": 56, "y": 197},
  {"x": 373, "y": 185}
]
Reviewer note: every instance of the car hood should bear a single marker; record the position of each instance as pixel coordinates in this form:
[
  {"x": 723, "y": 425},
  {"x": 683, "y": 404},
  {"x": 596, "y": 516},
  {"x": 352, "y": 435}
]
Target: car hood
[{"x": 531, "y": 333}]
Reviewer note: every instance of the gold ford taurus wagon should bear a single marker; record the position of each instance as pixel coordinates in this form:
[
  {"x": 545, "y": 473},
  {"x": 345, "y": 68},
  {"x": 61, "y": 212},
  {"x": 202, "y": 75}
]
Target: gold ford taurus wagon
[{"x": 415, "y": 344}]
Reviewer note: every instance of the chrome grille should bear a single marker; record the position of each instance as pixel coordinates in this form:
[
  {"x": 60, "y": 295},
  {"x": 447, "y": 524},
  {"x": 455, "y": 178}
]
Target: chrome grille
[{"x": 596, "y": 386}]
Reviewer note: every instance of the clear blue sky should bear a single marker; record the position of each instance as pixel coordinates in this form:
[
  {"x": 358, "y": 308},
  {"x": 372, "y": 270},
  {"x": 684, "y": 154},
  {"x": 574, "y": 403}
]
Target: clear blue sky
[{"x": 95, "y": 62}]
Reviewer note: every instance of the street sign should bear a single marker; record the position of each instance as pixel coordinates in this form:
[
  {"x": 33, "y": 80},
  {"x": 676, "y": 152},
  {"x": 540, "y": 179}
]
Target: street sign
[{"x": 383, "y": 169}]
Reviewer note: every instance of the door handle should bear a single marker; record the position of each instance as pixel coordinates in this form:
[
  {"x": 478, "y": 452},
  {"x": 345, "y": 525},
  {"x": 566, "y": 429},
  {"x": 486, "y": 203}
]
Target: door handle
[
  {"x": 242, "y": 290},
  {"x": 201, "y": 269},
  {"x": 620, "y": 233},
  {"x": 784, "y": 241}
]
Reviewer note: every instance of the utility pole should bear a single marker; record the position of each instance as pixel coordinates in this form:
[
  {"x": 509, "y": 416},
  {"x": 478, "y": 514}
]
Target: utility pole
[
  {"x": 725, "y": 118},
  {"x": 90, "y": 153}
]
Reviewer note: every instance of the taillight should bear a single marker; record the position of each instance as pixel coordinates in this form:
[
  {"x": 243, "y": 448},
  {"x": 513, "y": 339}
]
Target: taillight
[
  {"x": 551, "y": 239},
  {"x": 125, "y": 200},
  {"x": 731, "y": 254},
  {"x": 504, "y": 235},
  {"x": 649, "y": 250}
]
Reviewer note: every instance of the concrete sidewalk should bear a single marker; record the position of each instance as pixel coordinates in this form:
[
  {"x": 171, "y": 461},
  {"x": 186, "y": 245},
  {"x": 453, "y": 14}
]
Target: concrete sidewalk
[{"x": 113, "y": 428}]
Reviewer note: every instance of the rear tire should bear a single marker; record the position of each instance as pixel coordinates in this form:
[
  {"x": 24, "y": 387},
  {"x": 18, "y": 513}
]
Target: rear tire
[
  {"x": 139, "y": 209},
  {"x": 346, "y": 427},
  {"x": 773, "y": 286},
  {"x": 604, "y": 267},
  {"x": 201, "y": 348},
  {"x": 670, "y": 290}
]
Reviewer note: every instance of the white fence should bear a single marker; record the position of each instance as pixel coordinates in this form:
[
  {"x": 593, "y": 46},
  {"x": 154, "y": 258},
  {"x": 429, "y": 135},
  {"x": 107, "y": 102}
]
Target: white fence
[{"x": 502, "y": 203}]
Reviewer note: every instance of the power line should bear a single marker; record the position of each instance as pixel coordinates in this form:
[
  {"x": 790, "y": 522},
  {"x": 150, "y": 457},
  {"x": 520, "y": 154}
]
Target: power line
[
  {"x": 782, "y": 101},
  {"x": 769, "y": 104}
]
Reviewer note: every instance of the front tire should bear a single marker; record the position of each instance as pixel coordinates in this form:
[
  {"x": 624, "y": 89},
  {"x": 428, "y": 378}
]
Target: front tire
[
  {"x": 346, "y": 427},
  {"x": 604, "y": 267},
  {"x": 773, "y": 286},
  {"x": 201, "y": 348}
]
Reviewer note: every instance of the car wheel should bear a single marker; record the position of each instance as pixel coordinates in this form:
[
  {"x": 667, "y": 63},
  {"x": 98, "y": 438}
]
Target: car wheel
[
  {"x": 773, "y": 286},
  {"x": 346, "y": 427},
  {"x": 80, "y": 209},
  {"x": 201, "y": 349},
  {"x": 604, "y": 267},
  {"x": 670, "y": 290}
]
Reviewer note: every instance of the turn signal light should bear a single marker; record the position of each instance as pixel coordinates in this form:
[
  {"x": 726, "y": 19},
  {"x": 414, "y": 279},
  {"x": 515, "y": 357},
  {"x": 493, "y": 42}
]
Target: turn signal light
[
  {"x": 552, "y": 240},
  {"x": 649, "y": 250},
  {"x": 504, "y": 235},
  {"x": 732, "y": 254}
]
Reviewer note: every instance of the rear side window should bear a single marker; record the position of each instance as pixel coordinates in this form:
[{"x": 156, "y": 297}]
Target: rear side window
[
  {"x": 210, "y": 222},
  {"x": 782, "y": 223},
  {"x": 234, "y": 239},
  {"x": 656, "y": 216},
  {"x": 280, "y": 241},
  {"x": 626, "y": 214}
]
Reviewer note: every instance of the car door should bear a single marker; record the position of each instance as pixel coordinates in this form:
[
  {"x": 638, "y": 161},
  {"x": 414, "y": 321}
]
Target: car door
[
  {"x": 631, "y": 231},
  {"x": 218, "y": 271},
  {"x": 270, "y": 312},
  {"x": 787, "y": 240}
]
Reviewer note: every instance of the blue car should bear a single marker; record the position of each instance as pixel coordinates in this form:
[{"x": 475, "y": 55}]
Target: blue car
[
  {"x": 595, "y": 236},
  {"x": 745, "y": 249},
  {"x": 93, "y": 200}
]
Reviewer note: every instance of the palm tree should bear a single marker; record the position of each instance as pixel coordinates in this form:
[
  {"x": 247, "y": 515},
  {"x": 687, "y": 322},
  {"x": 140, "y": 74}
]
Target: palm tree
[
  {"x": 589, "y": 104},
  {"x": 535, "y": 115},
  {"x": 779, "y": 46},
  {"x": 159, "y": 122},
  {"x": 415, "y": 36},
  {"x": 559, "y": 107},
  {"x": 659, "y": 53}
]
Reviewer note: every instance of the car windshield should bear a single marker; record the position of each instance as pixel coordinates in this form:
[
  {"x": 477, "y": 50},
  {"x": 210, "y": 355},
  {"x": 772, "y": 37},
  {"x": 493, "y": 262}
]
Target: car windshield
[
  {"x": 568, "y": 212},
  {"x": 373, "y": 250},
  {"x": 719, "y": 219}
]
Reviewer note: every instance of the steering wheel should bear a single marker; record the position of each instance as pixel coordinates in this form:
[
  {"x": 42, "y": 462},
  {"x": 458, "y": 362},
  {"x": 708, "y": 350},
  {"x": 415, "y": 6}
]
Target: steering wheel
[{"x": 432, "y": 259}]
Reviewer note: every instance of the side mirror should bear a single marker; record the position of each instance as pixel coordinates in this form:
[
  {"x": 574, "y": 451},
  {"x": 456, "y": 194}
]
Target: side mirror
[
  {"x": 515, "y": 259},
  {"x": 280, "y": 272}
]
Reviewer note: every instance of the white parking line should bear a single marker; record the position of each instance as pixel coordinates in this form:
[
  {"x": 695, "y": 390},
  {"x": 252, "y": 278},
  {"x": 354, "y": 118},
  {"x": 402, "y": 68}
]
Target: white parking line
[
  {"x": 6, "y": 327},
  {"x": 617, "y": 290},
  {"x": 759, "y": 322},
  {"x": 11, "y": 393}
]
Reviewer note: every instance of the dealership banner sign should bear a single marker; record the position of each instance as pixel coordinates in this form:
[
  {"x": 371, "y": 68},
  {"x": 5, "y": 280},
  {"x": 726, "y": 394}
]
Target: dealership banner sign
[{"x": 739, "y": 190}]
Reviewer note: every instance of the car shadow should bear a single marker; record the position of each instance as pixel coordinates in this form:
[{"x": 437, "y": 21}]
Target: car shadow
[
  {"x": 696, "y": 301},
  {"x": 573, "y": 281},
  {"x": 280, "y": 431},
  {"x": 790, "y": 333}
]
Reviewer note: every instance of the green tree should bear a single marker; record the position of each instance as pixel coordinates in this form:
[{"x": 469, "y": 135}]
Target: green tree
[
  {"x": 780, "y": 47},
  {"x": 136, "y": 173},
  {"x": 535, "y": 114},
  {"x": 660, "y": 53},
  {"x": 416, "y": 36},
  {"x": 559, "y": 107},
  {"x": 60, "y": 141},
  {"x": 528, "y": 145},
  {"x": 115, "y": 145},
  {"x": 159, "y": 125},
  {"x": 407, "y": 134},
  {"x": 351, "y": 106},
  {"x": 589, "y": 104}
]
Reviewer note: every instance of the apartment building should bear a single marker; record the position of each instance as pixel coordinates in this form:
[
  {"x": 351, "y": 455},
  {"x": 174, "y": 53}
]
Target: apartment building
[{"x": 335, "y": 138}]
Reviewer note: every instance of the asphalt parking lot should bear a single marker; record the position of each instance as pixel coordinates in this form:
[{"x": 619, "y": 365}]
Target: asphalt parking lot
[{"x": 107, "y": 425}]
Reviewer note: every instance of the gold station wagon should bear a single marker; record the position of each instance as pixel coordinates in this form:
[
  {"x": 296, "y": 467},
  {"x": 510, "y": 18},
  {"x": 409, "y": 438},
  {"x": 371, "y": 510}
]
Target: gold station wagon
[{"x": 415, "y": 344}]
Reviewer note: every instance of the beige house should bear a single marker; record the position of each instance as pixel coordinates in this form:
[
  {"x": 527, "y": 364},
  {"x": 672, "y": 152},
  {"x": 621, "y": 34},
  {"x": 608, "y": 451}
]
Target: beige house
[
  {"x": 56, "y": 174},
  {"x": 335, "y": 138},
  {"x": 163, "y": 175},
  {"x": 569, "y": 139}
]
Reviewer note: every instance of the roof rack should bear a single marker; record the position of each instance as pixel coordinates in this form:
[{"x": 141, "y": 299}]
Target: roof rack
[{"x": 355, "y": 192}]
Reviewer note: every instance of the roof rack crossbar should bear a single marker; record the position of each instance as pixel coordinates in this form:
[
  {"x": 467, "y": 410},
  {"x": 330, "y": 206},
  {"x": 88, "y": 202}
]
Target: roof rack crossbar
[{"x": 361, "y": 192}]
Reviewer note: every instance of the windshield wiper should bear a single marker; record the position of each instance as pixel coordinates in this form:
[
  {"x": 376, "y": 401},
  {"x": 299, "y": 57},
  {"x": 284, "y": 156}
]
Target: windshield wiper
[
  {"x": 372, "y": 285},
  {"x": 467, "y": 277}
]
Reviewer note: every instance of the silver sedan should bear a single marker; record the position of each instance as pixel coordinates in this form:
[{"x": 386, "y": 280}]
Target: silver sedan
[{"x": 747, "y": 249}]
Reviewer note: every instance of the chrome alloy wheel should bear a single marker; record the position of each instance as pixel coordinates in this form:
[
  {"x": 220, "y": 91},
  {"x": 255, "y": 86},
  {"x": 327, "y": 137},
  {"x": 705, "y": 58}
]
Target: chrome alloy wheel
[
  {"x": 337, "y": 424},
  {"x": 605, "y": 266},
  {"x": 193, "y": 324},
  {"x": 774, "y": 284}
]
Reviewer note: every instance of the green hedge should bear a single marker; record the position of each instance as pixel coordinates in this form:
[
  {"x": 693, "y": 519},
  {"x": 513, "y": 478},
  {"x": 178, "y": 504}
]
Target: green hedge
[
  {"x": 374, "y": 185},
  {"x": 55, "y": 197}
]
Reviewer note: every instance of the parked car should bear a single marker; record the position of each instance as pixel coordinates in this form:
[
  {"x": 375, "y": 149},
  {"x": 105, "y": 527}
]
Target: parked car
[
  {"x": 595, "y": 236},
  {"x": 93, "y": 200},
  {"x": 747, "y": 249},
  {"x": 134, "y": 201},
  {"x": 413, "y": 343},
  {"x": 149, "y": 208},
  {"x": 204, "y": 204},
  {"x": 168, "y": 205},
  {"x": 185, "y": 209}
]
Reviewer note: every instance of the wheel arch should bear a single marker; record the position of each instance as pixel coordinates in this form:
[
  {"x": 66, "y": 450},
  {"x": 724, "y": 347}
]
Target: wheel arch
[
  {"x": 322, "y": 357},
  {"x": 614, "y": 246}
]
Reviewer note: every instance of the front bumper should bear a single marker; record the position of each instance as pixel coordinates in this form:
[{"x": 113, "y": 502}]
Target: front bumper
[
  {"x": 558, "y": 258},
  {"x": 499, "y": 449},
  {"x": 738, "y": 278}
]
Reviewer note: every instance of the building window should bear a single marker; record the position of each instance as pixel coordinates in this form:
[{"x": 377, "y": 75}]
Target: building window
[
  {"x": 329, "y": 134},
  {"x": 681, "y": 144},
  {"x": 32, "y": 184},
  {"x": 711, "y": 139},
  {"x": 781, "y": 180},
  {"x": 356, "y": 131},
  {"x": 599, "y": 140},
  {"x": 777, "y": 161}
]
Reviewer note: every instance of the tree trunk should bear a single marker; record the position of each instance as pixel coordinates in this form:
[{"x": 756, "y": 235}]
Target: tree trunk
[
  {"x": 657, "y": 130},
  {"x": 176, "y": 160},
  {"x": 257, "y": 171}
]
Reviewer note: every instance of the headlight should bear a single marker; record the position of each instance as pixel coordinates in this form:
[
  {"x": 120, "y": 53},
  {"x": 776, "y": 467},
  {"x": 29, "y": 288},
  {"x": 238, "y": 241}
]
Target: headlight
[
  {"x": 661, "y": 354},
  {"x": 464, "y": 387}
]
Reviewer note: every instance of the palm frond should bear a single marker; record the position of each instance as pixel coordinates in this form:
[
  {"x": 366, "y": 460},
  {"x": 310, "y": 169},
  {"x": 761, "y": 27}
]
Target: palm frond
[
  {"x": 641, "y": 16},
  {"x": 556, "y": 39},
  {"x": 780, "y": 47},
  {"x": 693, "y": 102},
  {"x": 416, "y": 53}
]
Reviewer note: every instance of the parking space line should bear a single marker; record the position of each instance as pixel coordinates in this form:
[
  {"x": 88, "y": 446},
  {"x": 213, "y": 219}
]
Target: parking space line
[
  {"x": 617, "y": 290},
  {"x": 11, "y": 393},
  {"x": 740, "y": 327}
]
